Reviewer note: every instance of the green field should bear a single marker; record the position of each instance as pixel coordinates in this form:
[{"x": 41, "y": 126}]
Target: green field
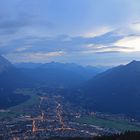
[
  {"x": 117, "y": 124},
  {"x": 20, "y": 108}
]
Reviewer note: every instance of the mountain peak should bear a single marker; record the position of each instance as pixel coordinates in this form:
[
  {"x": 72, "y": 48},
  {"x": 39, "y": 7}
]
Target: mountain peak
[
  {"x": 4, "y": 64},
  {"x": 134, "y": 64}
]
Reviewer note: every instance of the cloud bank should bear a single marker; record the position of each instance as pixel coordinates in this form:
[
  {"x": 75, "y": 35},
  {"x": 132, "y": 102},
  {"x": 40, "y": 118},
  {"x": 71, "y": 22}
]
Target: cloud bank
[{"x": 81, "y": 31}]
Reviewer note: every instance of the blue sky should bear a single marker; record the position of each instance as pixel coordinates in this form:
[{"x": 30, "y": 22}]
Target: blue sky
[{"x": 88, "y": 32}]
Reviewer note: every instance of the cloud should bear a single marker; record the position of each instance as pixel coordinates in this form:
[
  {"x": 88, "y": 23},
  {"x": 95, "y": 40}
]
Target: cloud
[
  {"x": 45, "y": 30},
  {"x": 11, "y": 26},
  {"x": 98, "y": 31},
  {"x": 63, "y": 42},
  {"x": 33, "y": 57},
  {"x": 132, "y": 42},
  {"x": 71, "y": 17},
  {"x": 67, "y": 48}
]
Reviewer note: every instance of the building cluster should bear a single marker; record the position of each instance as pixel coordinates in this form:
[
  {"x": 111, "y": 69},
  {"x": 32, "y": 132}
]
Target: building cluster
[{"x": 51, "y": 118}]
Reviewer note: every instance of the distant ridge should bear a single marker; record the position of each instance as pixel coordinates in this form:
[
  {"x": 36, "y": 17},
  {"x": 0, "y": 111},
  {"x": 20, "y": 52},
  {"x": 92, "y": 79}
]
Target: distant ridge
[{"x": 55, "y": 74}]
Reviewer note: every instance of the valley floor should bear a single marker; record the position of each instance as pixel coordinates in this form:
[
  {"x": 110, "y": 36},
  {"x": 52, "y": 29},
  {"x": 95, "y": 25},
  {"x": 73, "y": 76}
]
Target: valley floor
[{"x": 48, "y": 115}]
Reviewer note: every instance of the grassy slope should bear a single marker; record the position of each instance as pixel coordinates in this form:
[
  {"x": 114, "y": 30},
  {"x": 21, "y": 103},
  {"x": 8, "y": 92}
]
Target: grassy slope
[
  {"x": 20, "y": 109},
  {"x": 117, "y": 124}
]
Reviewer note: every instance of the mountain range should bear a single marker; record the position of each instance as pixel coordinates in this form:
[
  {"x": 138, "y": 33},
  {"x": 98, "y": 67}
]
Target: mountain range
[
  {"x": 116, "y": 90},
  {"x": 54, "y": 75}
]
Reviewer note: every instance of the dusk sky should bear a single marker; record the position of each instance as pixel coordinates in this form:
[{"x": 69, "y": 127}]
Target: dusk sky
[{"x": 87, "y": 32}]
